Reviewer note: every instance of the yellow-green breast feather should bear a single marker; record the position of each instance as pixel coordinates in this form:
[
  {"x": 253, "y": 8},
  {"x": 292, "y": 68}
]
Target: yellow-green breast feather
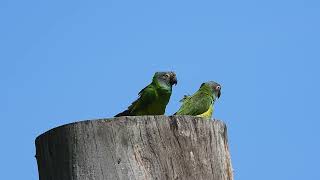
[{"x": 207, "y": 114}]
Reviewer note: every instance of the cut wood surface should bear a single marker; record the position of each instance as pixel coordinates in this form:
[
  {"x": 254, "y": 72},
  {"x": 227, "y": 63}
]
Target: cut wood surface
[{"x": 136, "y": 147}]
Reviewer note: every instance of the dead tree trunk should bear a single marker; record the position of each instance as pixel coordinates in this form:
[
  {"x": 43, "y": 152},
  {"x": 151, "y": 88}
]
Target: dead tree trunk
[{"x": 140, "y": 147}]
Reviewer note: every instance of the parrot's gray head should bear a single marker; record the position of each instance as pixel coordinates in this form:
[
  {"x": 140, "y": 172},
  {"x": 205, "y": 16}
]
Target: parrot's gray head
[
  {"x": 214, "y": 87},
  {"x": 169, "y": 78}
]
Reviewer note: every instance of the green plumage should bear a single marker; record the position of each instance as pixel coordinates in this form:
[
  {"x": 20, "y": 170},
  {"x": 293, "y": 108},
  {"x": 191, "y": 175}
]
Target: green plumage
[
  {"x": 154, "y": 98},
  {"x": 201, "y": 102}
]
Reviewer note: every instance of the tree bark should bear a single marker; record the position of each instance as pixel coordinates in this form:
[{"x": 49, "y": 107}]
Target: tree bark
[{"x": 136, "y": 147}]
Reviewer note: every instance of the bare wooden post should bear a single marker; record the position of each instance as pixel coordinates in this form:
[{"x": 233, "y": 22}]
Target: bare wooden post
[{"x": 140, "y": 147}]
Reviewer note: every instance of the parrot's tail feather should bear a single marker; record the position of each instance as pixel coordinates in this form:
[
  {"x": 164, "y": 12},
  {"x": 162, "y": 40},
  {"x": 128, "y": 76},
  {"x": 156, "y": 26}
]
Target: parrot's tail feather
[{"x": 124, "y": 113}]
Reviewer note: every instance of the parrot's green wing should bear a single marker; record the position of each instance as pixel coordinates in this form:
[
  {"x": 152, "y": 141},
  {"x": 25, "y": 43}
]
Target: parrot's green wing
[
  {"x": 195, "y": 105},
  {"x": 146, "y": 96},
  {"x": 139, "y": 107}
]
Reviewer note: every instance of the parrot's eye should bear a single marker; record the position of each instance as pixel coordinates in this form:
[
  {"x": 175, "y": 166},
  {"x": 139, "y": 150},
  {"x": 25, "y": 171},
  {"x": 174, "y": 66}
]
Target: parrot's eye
[
  {"x": 166, "y": 75},
  {"x": 218, "y": 88}
]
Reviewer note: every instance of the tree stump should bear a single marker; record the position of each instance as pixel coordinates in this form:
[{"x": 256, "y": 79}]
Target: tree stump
[{"x": 135, "y": 147}]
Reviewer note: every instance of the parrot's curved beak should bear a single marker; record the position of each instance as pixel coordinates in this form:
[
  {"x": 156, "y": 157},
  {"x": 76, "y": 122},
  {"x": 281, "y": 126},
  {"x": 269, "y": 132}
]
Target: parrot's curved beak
[
  {"x": 173, "y": 79},
  {"x": 219, "y": 94}
]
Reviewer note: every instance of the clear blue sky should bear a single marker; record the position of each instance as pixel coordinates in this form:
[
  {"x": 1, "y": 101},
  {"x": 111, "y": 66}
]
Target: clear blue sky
[{"x": 65, "y": 61}]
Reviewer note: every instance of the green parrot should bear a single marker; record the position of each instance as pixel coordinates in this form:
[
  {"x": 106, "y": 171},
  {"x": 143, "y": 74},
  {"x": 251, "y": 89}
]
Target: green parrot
[
  {"x": 154, "y": 98},
  {"x": 201, "y": 103}
]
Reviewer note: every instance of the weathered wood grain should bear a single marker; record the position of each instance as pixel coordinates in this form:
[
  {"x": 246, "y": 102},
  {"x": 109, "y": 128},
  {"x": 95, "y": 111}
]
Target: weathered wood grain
[{"x": 140, "y": 147}]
